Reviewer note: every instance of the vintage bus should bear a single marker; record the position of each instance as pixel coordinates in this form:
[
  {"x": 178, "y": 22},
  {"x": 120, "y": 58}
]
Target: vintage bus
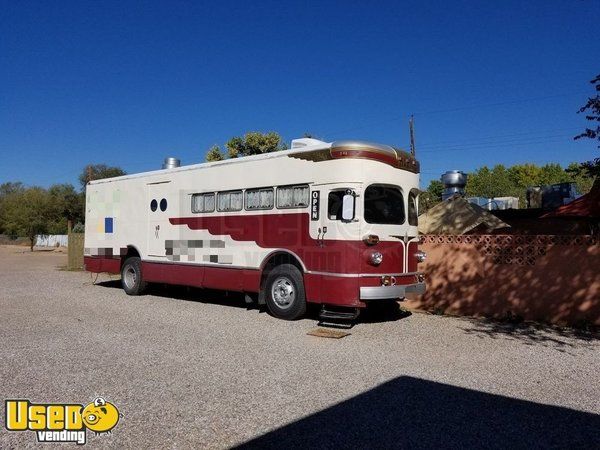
[{"x": 327, "y": 223}]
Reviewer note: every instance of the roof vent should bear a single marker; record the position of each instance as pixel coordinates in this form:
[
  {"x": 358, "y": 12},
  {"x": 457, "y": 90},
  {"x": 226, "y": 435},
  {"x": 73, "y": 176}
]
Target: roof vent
[
  {"x": 171, "y": 163},
  {"x": 305, "y": 142},
  {"x": 454, "y": 183}
]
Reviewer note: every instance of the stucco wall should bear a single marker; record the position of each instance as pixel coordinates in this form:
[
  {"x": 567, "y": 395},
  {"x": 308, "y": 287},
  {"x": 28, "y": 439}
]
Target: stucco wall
[{"x": 552, "y": 279}]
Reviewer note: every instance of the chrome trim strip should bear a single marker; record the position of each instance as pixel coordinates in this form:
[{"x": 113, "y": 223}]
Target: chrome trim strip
[
  {"x": 186, "y": 263},
  {"x": 386, "y": 274},
  {"x": 390, "y": 292},
  {"x": 360, "y": 275}
]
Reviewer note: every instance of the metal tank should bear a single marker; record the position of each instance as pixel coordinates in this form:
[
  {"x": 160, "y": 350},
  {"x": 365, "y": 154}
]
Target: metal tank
[{"x": 454, "y": 182}]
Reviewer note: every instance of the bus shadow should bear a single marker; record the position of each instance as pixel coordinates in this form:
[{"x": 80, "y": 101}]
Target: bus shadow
[
  {"x": 389, "y": 313},
  {"x": 409, "y": 412},
  {"x": 191, "y": 294}
]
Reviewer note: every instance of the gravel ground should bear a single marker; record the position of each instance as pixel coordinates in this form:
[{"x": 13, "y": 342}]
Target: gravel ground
[{"x": 199, "y": 369}]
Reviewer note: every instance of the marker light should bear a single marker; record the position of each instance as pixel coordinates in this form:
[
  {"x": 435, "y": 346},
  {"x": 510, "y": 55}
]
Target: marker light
[
  {"x": 371, "y": 239},
  {"x": 376, "y": 258}
]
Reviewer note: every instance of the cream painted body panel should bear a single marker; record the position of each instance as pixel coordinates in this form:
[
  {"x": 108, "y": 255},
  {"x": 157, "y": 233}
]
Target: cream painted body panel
[{"x": 127, "y": 201}]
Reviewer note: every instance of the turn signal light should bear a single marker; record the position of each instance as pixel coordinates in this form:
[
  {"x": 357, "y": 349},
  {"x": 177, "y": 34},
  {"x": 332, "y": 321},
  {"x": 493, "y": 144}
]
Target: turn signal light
[{"x": 371, "y": 239}]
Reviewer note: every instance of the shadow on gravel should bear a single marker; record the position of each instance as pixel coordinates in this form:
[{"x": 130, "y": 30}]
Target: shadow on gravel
[
  {"x": 409, "y": 412},
  {"x": 531, "y": 333},
  {"x": 191, "y": 294},
  {"x": 376, "y": 314}
]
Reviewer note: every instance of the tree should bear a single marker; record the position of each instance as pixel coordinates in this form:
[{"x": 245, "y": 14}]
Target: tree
[
  {"x": 27, "y": 213},
  {"x": 215, "y": 154},
  {"x": 10, "y": 188},
  {"x": 255, "y": 143},
  {"x": 65, "y": 204},
  {"x": 580, "y": 176},
  {"x": 490, "y": 183},
  {"x": 98, "y": 172},
  {"x": 7, "y": 189},
  {"x": 431, "y": 197},
  {"x": 592, "y": 107}
]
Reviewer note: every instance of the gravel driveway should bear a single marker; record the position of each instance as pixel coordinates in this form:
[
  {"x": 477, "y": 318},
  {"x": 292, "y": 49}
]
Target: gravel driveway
[{"x": 199, "y": 369}]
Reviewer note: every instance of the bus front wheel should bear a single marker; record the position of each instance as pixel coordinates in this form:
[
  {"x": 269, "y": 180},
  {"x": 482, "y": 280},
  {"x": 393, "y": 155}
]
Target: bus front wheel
[
  {"x": 284, "y": 292},
  {"x": 131, "y": 276}
]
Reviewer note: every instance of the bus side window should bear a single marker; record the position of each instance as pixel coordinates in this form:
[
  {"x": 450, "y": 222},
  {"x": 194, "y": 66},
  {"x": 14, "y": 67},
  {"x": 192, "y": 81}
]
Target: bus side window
[
  {"x": 334, "y": 205},
  {"x": 413, "y": 208}
]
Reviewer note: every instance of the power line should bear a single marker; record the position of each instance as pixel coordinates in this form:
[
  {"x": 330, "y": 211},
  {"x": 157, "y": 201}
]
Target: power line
[
  {"x": 481, "y": 139},
  {"x": 508, "y": 102},
  {"x": 495, "y": 144},
  {"x": 459, "y": 108}
]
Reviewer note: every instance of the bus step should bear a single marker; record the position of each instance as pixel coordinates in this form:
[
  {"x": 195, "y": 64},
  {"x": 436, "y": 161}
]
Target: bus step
[{"x": 337, "y": 314}]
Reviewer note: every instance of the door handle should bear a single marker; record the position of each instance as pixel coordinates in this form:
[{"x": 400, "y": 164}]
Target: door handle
[{"x": 321, "y": 237}]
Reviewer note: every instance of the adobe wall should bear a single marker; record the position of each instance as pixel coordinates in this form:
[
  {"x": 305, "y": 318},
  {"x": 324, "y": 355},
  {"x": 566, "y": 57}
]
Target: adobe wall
[{"x": 544, "y": 278}]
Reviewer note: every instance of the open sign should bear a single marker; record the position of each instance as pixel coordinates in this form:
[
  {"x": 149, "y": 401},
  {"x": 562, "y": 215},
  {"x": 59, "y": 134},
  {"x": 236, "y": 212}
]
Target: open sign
[{"x": 314, "y": 205}]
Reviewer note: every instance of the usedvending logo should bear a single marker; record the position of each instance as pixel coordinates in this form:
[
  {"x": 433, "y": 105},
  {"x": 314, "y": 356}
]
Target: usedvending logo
[{"x": 61, "y": 422}]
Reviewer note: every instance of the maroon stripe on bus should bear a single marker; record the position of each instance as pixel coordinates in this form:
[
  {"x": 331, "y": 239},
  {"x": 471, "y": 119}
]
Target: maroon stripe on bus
[
  {"x": 98, "y": 264},
  {"x": 365, "y": 154},
  {"x": 291, "y": 232}
]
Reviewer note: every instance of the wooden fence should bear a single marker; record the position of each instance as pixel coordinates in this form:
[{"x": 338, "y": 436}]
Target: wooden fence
[{"x": 75, "y": 261}]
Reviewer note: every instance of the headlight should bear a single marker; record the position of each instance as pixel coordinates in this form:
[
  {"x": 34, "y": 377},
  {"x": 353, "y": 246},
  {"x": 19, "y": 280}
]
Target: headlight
[
  {"x": 421, "y": 256},
  {"x": 376, "y": 258}
]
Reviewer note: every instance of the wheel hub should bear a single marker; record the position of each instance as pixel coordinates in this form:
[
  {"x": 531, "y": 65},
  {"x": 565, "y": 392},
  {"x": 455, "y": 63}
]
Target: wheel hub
[
  {"x": 130, "y": 277},
  {"x": 283, "y": 292}
]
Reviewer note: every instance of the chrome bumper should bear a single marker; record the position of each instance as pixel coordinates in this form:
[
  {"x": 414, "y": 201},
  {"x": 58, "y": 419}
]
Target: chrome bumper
[{"x": 390, "y": 292}]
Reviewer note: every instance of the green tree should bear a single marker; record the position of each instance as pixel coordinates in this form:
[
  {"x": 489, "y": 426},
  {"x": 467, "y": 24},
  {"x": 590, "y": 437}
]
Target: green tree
[
  {"x": 27, "y": 213},
  {"x": 431, "y": 197},
  {"x": 592, "y": 110},
  {"x": 255, "y": 143},
  {"x": 580, "y": 175},
  {"x": 65, "y": 203},
  {"x": 98, "y": 172},
  {"x": 10, "y": 188},
  {"x": 215, "y": 154},
  {"x": 525, "y": 175},
  {"x": 553, "y": 173},
  {"x": 490, "y": 183},
  {"x": 7, "y": 189}
]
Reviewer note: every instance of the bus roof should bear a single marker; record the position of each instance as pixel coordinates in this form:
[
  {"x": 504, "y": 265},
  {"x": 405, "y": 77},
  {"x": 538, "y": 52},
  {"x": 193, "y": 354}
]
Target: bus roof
[{"x": 308, "y": 149}]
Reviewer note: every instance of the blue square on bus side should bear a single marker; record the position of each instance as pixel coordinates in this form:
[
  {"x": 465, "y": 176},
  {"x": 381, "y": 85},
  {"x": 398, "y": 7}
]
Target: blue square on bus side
[{"x": 108, "y": 224}]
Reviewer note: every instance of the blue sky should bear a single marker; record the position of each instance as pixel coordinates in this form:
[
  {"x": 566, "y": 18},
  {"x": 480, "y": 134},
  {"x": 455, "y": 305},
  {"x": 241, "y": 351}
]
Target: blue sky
[{"x": 128, "y": 83}]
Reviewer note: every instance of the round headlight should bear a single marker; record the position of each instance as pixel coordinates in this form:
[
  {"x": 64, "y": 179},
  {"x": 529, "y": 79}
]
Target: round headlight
[
  {"x": 376, "y": 258},
  {"x": 421, "y": 255}
]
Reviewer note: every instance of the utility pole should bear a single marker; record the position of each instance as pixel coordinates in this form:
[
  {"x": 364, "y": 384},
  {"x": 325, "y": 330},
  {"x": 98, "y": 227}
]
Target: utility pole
[{"x": 411, "y": 125}]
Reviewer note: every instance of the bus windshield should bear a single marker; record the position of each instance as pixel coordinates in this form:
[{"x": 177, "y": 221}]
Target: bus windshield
[{"x": 384, "y": 205}]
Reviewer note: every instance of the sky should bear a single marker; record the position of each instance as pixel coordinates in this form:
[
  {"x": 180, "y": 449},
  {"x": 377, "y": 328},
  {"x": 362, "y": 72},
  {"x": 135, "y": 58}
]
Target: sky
[{"x": 128, "y": 83}]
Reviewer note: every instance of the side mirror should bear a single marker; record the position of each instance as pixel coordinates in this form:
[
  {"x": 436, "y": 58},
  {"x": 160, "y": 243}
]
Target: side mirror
[{"x": 348, "y": 208}]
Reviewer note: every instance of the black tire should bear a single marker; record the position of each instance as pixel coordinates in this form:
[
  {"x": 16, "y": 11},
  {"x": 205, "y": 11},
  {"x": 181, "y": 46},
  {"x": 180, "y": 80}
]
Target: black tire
[
  {"x": 284, "y": 292},
  {"x": 131, "y": 276}
]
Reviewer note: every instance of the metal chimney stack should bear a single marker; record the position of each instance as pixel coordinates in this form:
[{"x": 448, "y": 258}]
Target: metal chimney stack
[
  {"x": 171, "y": 163},
  {"x": 454, "y": 182}
]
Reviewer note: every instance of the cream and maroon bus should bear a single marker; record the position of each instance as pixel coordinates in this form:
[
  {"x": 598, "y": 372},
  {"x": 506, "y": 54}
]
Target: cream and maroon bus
[{"x": 327, "y": 223}]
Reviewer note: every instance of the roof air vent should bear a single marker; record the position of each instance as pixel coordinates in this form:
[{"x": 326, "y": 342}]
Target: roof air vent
[{"x": 171, "y": 163}]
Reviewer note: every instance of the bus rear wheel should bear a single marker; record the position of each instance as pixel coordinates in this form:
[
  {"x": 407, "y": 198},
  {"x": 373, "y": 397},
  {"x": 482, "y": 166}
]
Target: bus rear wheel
[
  {"x": 131, "y": 276},
  {"x": 284, "y": 292}
]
